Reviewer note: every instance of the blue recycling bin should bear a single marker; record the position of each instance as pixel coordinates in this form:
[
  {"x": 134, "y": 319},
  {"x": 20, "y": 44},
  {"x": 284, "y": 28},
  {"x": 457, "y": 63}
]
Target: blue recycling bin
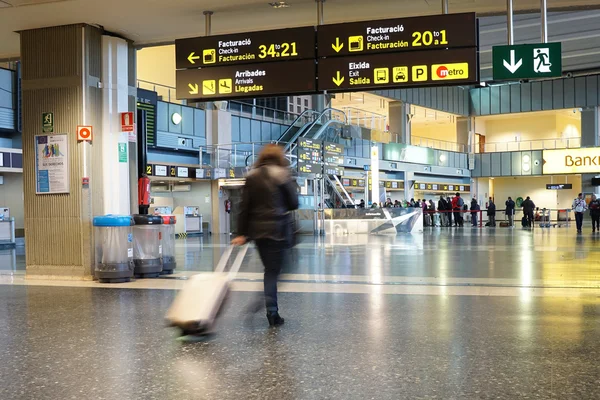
[{"x": 114, "y": 248}]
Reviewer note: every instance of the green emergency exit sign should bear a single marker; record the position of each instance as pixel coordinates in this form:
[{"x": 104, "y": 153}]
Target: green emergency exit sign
[{"x": 527, "y": 61}]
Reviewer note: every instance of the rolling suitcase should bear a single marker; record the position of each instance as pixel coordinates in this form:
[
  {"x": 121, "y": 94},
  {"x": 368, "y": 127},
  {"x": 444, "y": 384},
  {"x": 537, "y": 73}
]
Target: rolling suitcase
[{"x": 202, "y": 298}]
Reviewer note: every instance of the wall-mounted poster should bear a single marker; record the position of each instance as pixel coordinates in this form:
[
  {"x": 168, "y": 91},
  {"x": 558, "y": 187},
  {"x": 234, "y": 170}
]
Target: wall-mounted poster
[{"x": 52, "y": 164}]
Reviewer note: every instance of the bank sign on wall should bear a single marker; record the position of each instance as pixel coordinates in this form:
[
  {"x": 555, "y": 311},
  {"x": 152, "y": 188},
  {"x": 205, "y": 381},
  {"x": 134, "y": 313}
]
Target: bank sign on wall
[{"x": 572, "y": 161}]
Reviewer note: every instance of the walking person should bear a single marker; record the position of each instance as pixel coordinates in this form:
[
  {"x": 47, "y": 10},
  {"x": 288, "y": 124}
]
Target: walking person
[
  {"x": 528, "y": 208},
  {"x": 580, "y": 207},
  {"x": 269, "y": 195},
  {"x": 474, "y": 211},
  {"x": 595, "y": 213},
  {"x": 510, "y": 211},
  {"x": 491, "y": 212}
]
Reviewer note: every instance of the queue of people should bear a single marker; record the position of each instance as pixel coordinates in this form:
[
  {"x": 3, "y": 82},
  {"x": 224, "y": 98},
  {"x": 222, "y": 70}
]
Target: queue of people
[{"x": 452, "y": 211}]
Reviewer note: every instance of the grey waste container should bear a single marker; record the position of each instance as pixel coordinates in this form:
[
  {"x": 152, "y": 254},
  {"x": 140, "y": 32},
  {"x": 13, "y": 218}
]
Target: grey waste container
[
  {"x": 168, "y": 243},
  {"x": 114, "y": 248},
  {"x": 146, "y": 246}
]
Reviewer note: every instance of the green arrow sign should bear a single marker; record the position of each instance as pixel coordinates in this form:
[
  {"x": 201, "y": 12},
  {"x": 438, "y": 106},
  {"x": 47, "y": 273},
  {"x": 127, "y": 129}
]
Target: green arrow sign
[{"x": 527, "y": 61}]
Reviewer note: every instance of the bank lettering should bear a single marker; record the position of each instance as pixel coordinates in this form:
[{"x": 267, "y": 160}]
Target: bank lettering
[{"x": 587, "y": 161}]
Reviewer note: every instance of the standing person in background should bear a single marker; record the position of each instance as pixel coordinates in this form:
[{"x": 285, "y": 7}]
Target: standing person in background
[
  {"x": 457, "y": 206},
  {"x": 579, "y": 206},
  {"x": 510, "y": 211},
  {"x": 269, "y": 195},
  {"x": 491, "y": 212},
  {"x": 362, "y": 203},
  {"x": 442, "y": 205},
  {"x": 431, "y": 206},
  {"x": 595, "y": 213},
  {"x": 528, "y": 208},
  {"x": 449, "y": 209},
  {"x": 474, "y": 211}
]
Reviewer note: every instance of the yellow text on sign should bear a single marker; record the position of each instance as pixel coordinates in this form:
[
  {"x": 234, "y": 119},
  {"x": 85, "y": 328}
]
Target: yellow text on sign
[
  {"x": 571, "y": 161},
  {"x": 419, "y": 73},
  {"x": 445, "y": 72}
]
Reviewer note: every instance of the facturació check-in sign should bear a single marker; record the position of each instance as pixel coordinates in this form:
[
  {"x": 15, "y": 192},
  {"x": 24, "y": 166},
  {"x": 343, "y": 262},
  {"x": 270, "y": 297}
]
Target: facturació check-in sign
[
  {"x": 246, "y": 48},
  {"x": 397, "y": 35},
  {"x": 571, "y": 161}
]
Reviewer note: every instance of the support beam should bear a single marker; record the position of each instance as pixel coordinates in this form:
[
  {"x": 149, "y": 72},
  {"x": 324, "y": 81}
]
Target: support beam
[
  {"x": 509, "y": 22},
  {"x": 208, "y": 22},
  {"x": 544, "y": 12},
  {"x": 320, "y": 15},
  {"x": 444, "y": 6}
]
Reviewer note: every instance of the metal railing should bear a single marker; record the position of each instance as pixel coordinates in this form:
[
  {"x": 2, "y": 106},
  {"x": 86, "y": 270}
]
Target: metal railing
[
  {"x": 365, "y": 119},
  {"x": 438, "y": 144},
  {"x": 167, "y": 93},
  {"x": 543, "y": 144}
]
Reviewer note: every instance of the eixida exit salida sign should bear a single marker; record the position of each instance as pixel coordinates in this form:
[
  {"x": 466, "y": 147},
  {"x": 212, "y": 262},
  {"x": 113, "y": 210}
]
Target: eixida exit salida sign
[
  {"x": 571, "y": 161},
  {"x": 379, "y": 71},
  {"x": 253, "y": 80}
]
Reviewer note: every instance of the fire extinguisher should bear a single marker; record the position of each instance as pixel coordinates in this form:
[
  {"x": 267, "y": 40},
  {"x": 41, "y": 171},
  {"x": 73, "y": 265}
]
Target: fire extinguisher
[
  {"x": 144, "y": 194},
  {"x": 228, "y": 206}
]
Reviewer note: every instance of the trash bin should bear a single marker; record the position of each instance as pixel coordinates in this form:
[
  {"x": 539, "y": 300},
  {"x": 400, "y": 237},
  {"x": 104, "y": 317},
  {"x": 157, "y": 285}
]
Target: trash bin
[
  {"x": 114, "y": 248},
  {"x": 168, "y": 244},
  {"x": 146, "y": 246}
]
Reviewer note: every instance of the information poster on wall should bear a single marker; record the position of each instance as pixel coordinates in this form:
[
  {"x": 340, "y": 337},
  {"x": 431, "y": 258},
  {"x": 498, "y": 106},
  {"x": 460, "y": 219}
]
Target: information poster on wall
[{"x": 52, "y": 164}]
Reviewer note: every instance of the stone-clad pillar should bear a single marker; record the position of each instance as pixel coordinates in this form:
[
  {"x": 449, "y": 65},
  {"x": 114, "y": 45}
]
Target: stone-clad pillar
[{"x": 62, "y": 74}]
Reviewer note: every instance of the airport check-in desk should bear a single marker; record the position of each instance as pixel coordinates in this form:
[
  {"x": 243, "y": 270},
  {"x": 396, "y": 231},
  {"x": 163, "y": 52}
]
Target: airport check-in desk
[{"x": 376, "y": 221}]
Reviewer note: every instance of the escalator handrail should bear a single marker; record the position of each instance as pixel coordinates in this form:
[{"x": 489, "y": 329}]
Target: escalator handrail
[
  {"x": 312, "y": 124},
  {"x": 293, "y": 124}
]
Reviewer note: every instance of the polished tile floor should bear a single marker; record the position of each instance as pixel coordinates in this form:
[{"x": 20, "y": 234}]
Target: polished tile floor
[{"x": 451, "y": 314}]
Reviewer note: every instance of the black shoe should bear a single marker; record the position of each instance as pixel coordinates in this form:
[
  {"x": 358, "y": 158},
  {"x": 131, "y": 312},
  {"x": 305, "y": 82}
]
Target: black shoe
[{"x": 275, "y": 319}]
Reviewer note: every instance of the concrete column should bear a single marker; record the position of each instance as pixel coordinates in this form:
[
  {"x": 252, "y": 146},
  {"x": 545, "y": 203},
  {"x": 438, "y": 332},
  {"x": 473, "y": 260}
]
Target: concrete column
[
  {"x": 115, "y": 100},
  {"x": 219, "y": 135},
  {"x": 400, "y": 116},
  {"x": 463, "y": 130},
  {"x": 409, "y": 189},
  {"x": 62, "y": 69},
  {"x": 590, "y": 127}
]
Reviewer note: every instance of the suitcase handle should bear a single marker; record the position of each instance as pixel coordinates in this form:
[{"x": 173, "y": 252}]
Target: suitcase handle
[{"x": 237, "y": 263}]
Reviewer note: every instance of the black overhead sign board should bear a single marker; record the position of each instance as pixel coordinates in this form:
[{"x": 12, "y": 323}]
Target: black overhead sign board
[
  {"x": 419, "y": 68},
  {"x": 246, "y": 48},
  {"x": 252, "y": 80},
  {"x": 397, "y": 35},
  {"x": 559, "y": 186},
  {"x": 433, "y": 50}
]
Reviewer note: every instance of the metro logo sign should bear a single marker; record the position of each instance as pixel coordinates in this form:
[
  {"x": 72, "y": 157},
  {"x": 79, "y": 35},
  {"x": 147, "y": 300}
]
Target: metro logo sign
[
  {"x": 441, "y": 72},
  {"x": 572, "y": 161}
]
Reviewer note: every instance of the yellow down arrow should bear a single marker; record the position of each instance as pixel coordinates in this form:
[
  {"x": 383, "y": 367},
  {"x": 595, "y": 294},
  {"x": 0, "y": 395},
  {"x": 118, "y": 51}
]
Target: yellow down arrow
[
  {"x": 337, "y": 47},
  {"x": 339, "y": 80},
  {"x": 193, "y": 57},
  {"x": 193, "y": 88}
]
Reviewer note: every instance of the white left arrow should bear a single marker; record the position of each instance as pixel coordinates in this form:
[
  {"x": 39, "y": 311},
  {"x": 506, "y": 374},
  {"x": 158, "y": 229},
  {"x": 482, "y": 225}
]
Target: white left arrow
[{"x": 513, "y": 67}]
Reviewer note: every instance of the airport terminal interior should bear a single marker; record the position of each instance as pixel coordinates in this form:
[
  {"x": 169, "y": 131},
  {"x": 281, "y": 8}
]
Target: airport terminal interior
[{"x": 445, "y": 155}]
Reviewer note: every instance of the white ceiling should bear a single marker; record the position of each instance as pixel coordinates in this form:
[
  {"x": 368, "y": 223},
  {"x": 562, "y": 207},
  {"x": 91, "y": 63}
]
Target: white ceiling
[{"x": 160, "y": 21}]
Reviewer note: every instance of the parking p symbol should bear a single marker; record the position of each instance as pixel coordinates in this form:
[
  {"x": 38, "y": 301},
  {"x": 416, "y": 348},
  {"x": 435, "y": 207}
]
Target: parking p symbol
[{"x": 419, "y": 73}]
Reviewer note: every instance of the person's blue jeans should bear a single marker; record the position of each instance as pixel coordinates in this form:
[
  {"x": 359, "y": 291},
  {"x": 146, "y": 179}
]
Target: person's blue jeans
[
  {"x": 579, "y": 220},
  {"x": 474, "y": 219},
  {"x": 273, "y": 256}
]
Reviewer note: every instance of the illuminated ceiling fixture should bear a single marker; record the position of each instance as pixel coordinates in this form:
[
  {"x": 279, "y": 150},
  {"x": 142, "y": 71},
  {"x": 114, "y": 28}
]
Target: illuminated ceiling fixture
[
  {"x": 279, "y": 4},
  {"x": 176, "y": 118}
]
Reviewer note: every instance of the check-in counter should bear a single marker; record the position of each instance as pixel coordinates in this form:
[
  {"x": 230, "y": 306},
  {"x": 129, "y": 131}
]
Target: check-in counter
[
  {"x": 7, "y": 231},
  {"x": 193, "y": 224},
  {"x": 370, "y": 221}
]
